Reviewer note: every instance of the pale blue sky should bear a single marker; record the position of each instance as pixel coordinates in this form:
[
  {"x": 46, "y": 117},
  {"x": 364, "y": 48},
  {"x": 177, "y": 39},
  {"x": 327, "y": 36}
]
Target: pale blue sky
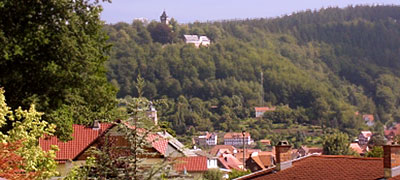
[{"x": 185, "y": 11}]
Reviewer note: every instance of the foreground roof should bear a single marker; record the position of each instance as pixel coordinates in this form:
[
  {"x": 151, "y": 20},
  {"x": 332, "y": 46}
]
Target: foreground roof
[
  {"x": 326, "y": 167},
  {"x": 83, "y": 138}
]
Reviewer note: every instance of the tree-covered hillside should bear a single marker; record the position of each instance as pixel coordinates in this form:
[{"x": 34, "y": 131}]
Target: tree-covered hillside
[{"x": 319, "y": 68}]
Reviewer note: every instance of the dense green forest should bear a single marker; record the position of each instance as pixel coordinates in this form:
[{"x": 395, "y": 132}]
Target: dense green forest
[{"x": 319, "y": 68}]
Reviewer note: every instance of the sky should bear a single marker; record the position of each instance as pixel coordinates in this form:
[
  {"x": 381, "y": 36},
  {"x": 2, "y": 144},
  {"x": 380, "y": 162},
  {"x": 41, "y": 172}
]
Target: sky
[{"x": 186, "y": 11}]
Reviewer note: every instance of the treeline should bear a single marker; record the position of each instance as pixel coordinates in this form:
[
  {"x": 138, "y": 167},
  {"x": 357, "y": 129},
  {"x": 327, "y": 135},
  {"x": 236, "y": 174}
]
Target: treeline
[{"x": 319, "y": 66}]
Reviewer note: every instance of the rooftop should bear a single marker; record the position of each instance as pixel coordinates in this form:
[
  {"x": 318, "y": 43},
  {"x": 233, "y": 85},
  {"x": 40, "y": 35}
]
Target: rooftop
[
  {"x": 83, "y": 137},
  {"x": 191, "y": 164},
  {"x": 326, "y": 167}
]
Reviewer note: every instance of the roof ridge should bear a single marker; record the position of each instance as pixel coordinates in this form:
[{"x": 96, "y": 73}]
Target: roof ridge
[{"x": 349, "y": 157}]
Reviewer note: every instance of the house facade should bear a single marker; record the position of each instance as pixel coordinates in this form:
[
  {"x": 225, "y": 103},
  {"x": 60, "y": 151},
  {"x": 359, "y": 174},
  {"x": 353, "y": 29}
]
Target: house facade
[
  {"x": 196, "y": 40},
  {"x": 236, "y": 139},
  {"x": 207, "y": 139},
  {"x": 261, "y": 110},
  {"x": 364, "y": 137},
  {"x": 369, "y": 119}
]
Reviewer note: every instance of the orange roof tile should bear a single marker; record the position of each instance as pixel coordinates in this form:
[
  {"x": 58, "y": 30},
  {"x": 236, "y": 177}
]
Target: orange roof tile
[
  {"x": 216, "y": 148},
  {"x": 191, "y": 164},
  {"x": 83, "y": 137},
  {"x": 263, "y": 109},
  {"x": 368, "y": 117},
  {"x": 230, "y": 162},
  {"x": 327, "y": 168},
  {"x": 355, "y": 147}
]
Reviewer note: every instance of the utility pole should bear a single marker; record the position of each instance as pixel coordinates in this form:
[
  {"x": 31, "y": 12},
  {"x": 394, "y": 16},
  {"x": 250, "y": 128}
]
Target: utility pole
[
  {"x": 244, "y": 150},
  {"x": 262, "y": 89}
]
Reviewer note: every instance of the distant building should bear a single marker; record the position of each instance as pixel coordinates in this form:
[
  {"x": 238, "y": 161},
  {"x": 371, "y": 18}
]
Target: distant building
[
  {"x": 304, "y": 150},
  {"x": 259, "y": 161},
  {"x": 392, "y": 131},
  {"x": 236, "y": 139},
  {"x": 207, "y": 139},
  {"x": 194, "y": 39},
  {"x": 164, "y": 18},
  {"x": 216, "y": 149},
  {"x": 261, "y": 110},
  {"x": 265, "y": 142},
  {"x": 152, "y": 113},
  {"x": 364, "y": 137},
  {"x": 369, "y": 119}
]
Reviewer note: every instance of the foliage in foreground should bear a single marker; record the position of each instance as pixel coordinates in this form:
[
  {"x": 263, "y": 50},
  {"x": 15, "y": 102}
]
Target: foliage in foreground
[
  {"x": 11, "y": 163},
  {"x": 52, "y": 54},
  {"x": 337, "y": 144},
  {"x": 377, "y": 151},
  {"x": 238, "y": 173},
  {"x": 27, "y": 128},
  {"x": 213, "y": 174}
]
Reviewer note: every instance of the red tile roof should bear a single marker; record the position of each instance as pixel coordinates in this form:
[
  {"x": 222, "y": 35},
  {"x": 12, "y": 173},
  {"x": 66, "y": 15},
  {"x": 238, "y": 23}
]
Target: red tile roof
[
  {"x": 83, "y": 137},
  {"x": 263, "y": 109},
  {"x": 216, "y": 148},
  {"x": 192, "y": 164},
  {"x": 327, "y": 168},
  {"x": 368, "y": 117},
  {"x": 230, "y": 162},
  {"x": 355, "y": 147}
]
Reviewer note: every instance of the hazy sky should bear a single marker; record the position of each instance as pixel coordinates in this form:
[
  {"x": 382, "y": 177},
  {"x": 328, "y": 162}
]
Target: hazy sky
[{"x": 202, "y": 10}]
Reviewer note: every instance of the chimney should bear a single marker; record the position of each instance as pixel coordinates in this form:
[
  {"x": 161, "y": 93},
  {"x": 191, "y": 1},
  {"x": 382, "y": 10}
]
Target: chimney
[
  {"x": 391, "y": 160},
  {"x": 96, "y": 125},
  {"x": 283, "y": 155}
]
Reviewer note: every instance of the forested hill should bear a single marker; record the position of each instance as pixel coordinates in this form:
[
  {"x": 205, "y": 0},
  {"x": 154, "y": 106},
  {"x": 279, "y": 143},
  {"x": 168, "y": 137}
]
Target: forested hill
[{"x": 325, "y": 65}]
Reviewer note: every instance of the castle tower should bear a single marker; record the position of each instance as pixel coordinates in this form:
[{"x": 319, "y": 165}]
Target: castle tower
[{"x": 164, "y": 18}]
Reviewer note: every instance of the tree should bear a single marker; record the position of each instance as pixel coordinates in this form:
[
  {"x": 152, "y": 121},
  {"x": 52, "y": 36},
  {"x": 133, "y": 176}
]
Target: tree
[
  {"x": 238, "y": 173},
  {"x": 23, "y": 140},
  {"x": 377, "y": 151},
  {"x": 11, "y": 163},
  {"x": 52, "y": 53},
  {"x": 161, "y": 33},
  {"x": 337, "y": 144},
  {"x": 213, "y": 174}
]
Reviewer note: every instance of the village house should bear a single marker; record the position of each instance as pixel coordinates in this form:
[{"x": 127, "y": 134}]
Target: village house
[
  {"x": 195, "y": 166},
  {"x": 392, "y": 132},
  {"x": 229, "y": 162},
  {"x": 207, "y": 139},
  {"x": 261, "y": 110},
  {"x": 217, "y": 149},
  {"x": 358, "y": 149},
  {"x": 369, "y": 119},
  {"x": 330, "y": 167},
  {"x": 304, "y": 151},
  {"x": 196, "y": 40},
  {"x": 236, "y": 139},
  {"x": 74, "y": 152},
  {"x": 364, "y": 137},
  {"x": 265, "y": 142},
  {"x": 164, "y": 18},
  {"x": 259, "y": 161}
]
